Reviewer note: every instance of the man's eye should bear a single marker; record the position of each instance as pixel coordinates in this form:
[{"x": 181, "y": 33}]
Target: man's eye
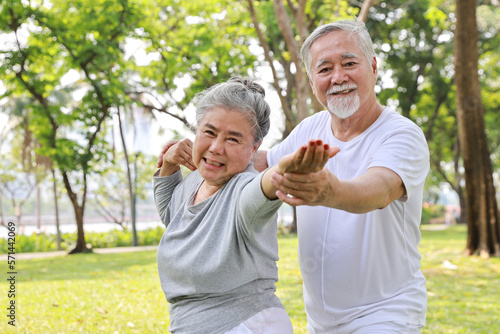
[
  {"x": 209, "y": 133},
  {"x": 234, "y": 140}
]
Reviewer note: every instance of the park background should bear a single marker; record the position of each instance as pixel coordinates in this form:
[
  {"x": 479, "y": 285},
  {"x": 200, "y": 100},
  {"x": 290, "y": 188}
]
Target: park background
[{"x": 91, "y": 90}]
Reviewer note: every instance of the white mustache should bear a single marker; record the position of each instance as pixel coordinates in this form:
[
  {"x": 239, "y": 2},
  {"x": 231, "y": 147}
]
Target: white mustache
[{"x": 336, "y": 89}]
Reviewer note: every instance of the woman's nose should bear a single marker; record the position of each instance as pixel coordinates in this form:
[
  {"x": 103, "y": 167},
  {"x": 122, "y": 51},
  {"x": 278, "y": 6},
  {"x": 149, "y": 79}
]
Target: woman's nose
[{"x": 217, "y": 146}]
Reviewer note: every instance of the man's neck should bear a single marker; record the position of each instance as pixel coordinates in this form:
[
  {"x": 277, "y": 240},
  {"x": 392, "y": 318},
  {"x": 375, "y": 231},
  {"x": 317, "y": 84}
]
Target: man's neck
[{"x": 351, "y": 127}]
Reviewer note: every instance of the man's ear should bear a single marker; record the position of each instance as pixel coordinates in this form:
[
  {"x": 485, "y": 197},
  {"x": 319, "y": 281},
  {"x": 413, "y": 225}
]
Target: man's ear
[
  {"x": 374, "y": 65},
  {"x": 312, "y": 86}
]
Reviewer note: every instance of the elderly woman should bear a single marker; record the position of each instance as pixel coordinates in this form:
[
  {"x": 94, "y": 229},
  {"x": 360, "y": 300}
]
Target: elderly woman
[{"x": 217, "y": 257}]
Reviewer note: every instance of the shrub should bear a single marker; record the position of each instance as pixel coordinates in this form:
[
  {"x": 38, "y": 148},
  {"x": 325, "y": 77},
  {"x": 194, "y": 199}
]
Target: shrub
[
  {"x": 42, "y": 242},
  {"x": 432, "y": 211},
  {"x": 150, "y": 236}
]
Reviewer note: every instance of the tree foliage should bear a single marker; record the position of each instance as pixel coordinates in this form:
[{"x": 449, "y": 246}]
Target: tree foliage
[
  {"x": 190, "y": 46},
  {"x": 415, "y": 44},
  {"x": 68, "y": 66},
  {"x": 50, "y": 40}
]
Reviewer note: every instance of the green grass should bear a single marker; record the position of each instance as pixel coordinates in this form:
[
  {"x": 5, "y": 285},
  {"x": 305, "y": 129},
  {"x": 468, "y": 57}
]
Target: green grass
[
  {"x": 121, "y": 293},
  {"x": 461, "y": 300},
  {"x": 89, "y": 293}
]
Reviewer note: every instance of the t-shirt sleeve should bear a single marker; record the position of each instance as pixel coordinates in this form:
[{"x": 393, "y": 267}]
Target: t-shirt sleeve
[
  {"x": 405, "y": 151},
  {"x": 312, "y": 127},
  {"x": 287, "y": 146}
]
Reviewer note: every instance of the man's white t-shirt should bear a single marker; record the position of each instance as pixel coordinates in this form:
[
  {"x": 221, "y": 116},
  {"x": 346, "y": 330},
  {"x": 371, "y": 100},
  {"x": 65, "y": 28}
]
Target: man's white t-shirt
[{"x": 363, "y": 266}]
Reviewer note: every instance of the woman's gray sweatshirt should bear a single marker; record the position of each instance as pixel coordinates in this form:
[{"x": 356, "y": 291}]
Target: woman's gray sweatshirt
[{"x": 216, "y": 259}]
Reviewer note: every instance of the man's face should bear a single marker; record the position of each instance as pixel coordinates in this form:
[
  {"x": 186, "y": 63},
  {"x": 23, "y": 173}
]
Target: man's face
[{"x": 341, "y": 77}]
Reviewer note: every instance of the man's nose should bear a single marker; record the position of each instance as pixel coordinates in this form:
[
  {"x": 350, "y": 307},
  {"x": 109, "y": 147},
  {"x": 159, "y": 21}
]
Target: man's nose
[{"x": 339, "y": 75}]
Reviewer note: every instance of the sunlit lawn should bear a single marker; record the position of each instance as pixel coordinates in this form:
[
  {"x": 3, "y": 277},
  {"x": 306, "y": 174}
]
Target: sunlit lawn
[
  {"x": 112, "y": 293},
  {"x": 461, "y": 300},
  {"x": 120, "y": 293}
]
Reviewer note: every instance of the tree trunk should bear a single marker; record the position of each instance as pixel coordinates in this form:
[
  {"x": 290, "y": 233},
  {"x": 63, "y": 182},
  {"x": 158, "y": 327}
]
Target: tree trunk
[
  {"x": 81, "y": 244},
  {"x": 129, "y": 178},
  {"x": 79, "y": 210},
  {"x": 2, "y": 219},
  {"x": 463, "y": 207},
  {"x": 38, "y": 210},
  {"x": 459, "y": 176},
  {"x": 482, "y": 212},
  {"x": 301, "y": 81},
  {"x": 365, "y": 9},
  {"x": 56, "y": 206},
  {"x": 293, "y": 225}
]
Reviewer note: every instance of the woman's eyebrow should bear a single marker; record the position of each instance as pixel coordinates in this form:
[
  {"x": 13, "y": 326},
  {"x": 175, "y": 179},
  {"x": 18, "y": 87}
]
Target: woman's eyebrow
[{"x": 232, "y": 133}]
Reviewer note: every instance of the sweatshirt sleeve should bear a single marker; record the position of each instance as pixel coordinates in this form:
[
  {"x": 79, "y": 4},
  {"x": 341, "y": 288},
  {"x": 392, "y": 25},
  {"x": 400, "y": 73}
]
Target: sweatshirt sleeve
[
  {"x": 254, "y": 206},
  {"x": 163, "y": 189}
]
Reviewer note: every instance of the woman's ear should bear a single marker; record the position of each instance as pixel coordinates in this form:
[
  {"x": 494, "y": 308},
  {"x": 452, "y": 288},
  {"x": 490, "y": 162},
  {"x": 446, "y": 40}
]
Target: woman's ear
[{"x": 256, "y": 146}]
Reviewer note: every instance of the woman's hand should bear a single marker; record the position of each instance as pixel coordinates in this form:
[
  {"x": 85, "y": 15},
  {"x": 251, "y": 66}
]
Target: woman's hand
[
  {"x": 163, "y": 151},
  {"x": 306, "y": 161},
  {"x": 309, "y": 158},
  {"x": 176, "y": 153}
]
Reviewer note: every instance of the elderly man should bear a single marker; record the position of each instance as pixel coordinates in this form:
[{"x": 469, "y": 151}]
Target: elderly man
[{"x": 358, "y": 218}]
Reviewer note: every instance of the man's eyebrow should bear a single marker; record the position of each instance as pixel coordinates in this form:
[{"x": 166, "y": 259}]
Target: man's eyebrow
[
  {"x": 232, "y": 133},
  {"x": 346, "y": 55},
  {"x": 320, "y": 63},
  {"x": 349, "y": 55}
]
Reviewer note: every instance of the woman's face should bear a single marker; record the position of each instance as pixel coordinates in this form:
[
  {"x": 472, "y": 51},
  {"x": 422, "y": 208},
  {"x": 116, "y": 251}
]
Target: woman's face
[{"x": 223, "y": 146}]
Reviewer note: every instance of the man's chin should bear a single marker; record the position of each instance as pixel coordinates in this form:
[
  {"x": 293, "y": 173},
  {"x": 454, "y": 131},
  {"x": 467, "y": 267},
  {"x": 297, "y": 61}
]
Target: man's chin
[
  {"x": 342, "y": 114},
  {"x": 344, "y": 111}
]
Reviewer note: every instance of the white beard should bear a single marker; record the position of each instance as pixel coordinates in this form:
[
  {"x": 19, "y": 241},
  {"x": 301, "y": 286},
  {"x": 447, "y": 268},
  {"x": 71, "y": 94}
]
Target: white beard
[{"x": 343, "y": 106}]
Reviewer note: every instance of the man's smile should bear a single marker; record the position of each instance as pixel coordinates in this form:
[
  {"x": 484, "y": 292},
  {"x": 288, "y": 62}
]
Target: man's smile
[
  {"x": 347, "y": 91},
  {"x": 339, "y": 90}
]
